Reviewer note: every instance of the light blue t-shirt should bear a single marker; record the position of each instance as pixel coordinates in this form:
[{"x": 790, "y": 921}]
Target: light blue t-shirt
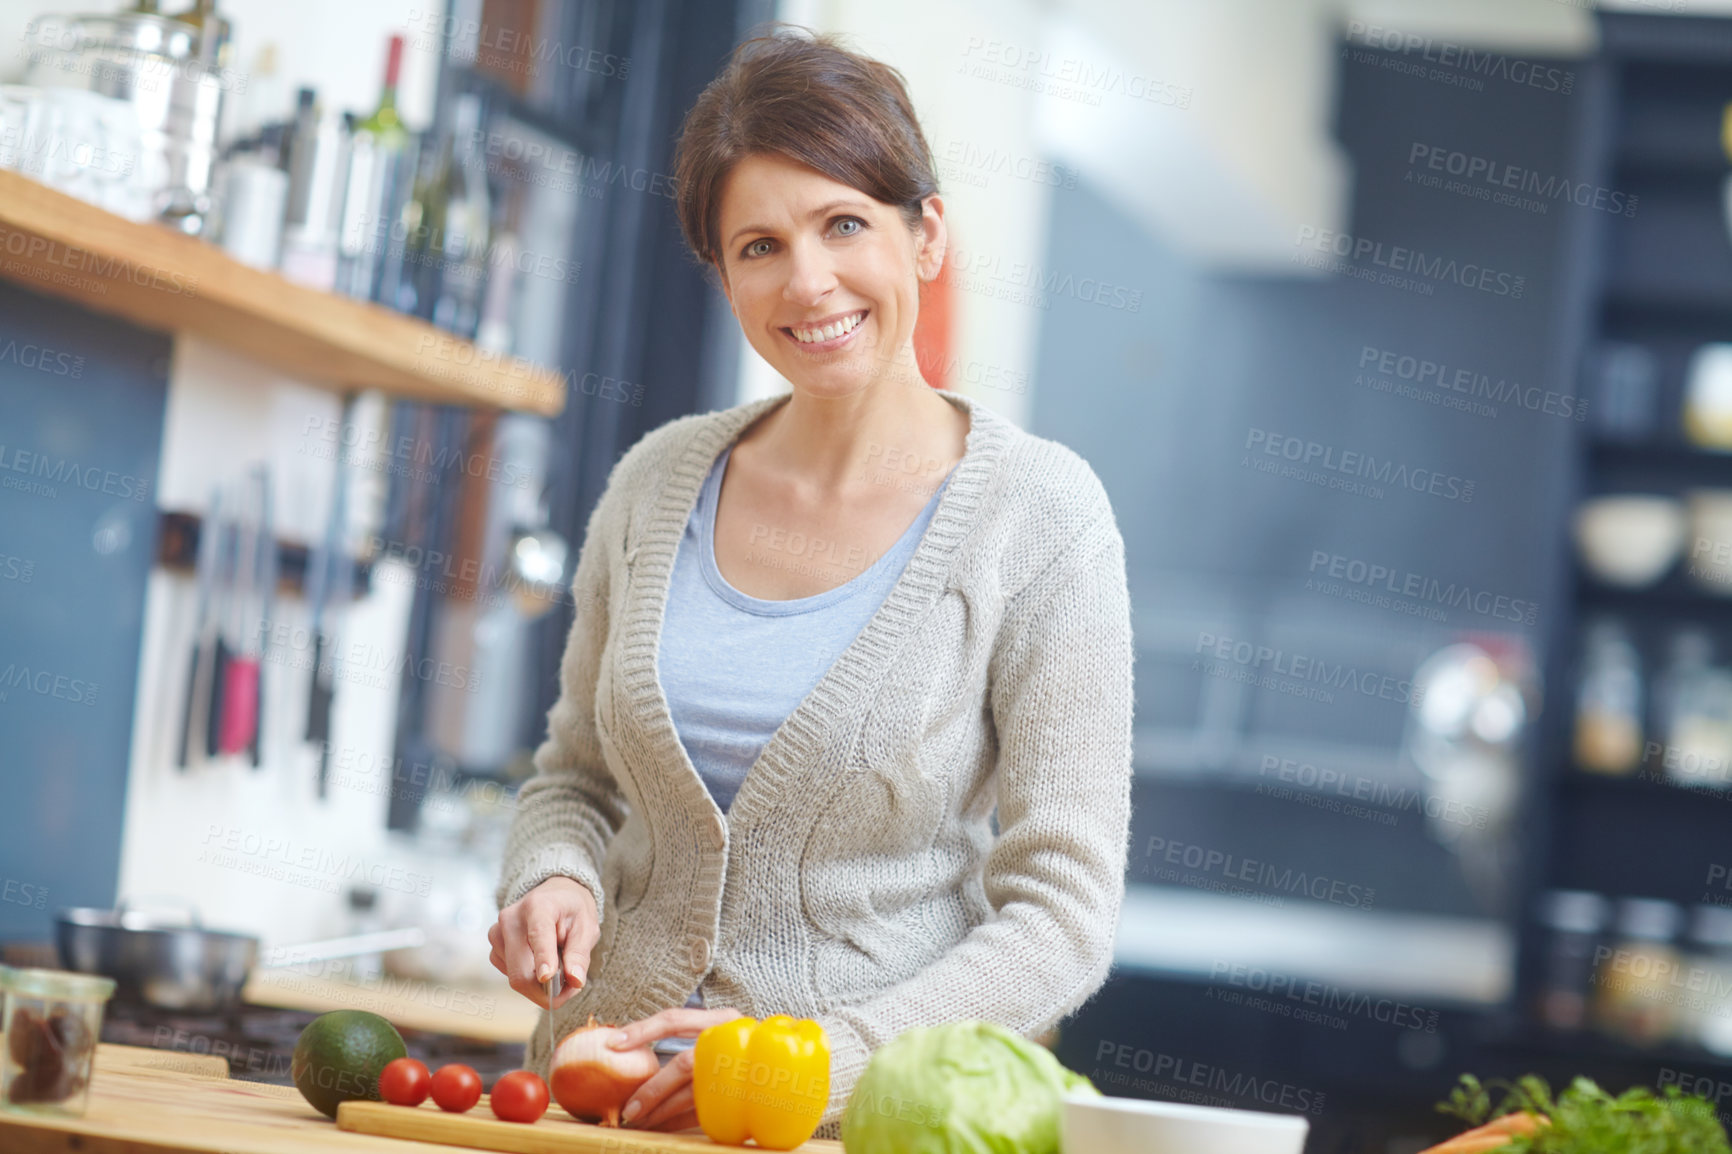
[{"x": 733, "y": 666}]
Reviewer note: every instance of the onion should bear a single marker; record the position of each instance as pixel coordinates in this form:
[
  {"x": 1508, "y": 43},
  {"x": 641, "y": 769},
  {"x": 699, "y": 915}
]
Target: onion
[{"x": 593, "y": 1081}]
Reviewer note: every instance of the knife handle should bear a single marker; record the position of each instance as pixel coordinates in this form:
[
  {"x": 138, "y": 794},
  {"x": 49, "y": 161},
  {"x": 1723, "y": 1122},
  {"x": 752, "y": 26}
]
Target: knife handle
[
  {"x": 184, "y": 746},
  {"x": 219, "y": 674}
]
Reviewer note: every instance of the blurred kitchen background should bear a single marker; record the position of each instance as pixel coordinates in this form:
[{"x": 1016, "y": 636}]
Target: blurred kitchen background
[{"x": 1393, "y": 329}]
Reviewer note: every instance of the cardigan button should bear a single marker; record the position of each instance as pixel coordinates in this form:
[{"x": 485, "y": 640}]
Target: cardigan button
[{"x": 700, "y": 951}]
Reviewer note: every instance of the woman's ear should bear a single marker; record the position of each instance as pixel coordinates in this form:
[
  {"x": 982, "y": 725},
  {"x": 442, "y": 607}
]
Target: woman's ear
[{"x": 932, "y": 239}]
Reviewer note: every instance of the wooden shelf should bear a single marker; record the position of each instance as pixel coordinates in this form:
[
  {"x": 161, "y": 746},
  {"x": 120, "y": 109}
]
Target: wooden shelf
[{"x": 152, "y": 276}]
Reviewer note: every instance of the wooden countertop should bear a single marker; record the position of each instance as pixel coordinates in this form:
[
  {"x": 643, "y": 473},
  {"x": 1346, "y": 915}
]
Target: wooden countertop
[
  {"x": 490, "y": 1010},
  {"x": 146, "y": 1101},
  {"x": 155, "y": 277}
]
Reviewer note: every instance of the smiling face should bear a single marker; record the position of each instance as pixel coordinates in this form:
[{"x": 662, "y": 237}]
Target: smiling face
[{"x": 824, "y": 279}]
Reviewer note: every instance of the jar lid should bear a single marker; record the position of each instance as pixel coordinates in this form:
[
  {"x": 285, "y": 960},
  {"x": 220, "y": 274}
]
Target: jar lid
[
  {"x": 1647, "y": 919},
  {"x": 1575, "y": 911},
  {"x": 59, "y": 985},
  {"x": 1712, "y": 926}
]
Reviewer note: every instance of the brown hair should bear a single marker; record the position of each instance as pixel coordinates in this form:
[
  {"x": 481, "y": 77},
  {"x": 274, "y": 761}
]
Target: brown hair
[{"x": 803, "y": 96}]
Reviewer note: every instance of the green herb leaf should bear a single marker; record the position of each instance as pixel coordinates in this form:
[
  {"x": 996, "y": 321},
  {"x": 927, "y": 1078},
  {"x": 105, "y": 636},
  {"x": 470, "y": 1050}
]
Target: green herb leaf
[{"x": 1587, "y": 1120}]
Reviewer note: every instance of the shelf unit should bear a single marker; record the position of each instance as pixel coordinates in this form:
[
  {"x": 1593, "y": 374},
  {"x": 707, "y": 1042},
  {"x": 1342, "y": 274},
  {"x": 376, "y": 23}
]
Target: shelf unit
[
  {"x": 1661, "y": 279},
  {"x": 55, "y": 244}
]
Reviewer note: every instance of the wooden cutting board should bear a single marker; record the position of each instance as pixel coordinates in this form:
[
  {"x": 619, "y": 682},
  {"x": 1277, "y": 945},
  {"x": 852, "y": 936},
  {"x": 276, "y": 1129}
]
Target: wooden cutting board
[{"x": 556, "y": 1133}]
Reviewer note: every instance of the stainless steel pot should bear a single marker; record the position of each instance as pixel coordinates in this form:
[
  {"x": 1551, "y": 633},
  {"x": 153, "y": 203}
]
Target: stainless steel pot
[
  {"x": 163, "y": 69},
  {"x": 184, "y": 966}
]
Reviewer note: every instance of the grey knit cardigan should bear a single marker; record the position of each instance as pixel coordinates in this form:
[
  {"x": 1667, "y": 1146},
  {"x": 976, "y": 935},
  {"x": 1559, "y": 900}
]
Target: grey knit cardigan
[{"x": 857, "y": 878}]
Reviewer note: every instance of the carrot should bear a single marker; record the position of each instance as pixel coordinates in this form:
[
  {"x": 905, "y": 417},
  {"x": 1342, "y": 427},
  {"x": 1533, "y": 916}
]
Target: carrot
[{"x": 1492, "y": 1136}]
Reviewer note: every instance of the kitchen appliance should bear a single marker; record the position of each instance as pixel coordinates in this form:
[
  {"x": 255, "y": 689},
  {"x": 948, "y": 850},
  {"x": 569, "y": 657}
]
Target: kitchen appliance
[
  {"x": 178, "y": 964},
  {"x": 1136, "y": 1126},
  {"x": 167, "y": 73}
]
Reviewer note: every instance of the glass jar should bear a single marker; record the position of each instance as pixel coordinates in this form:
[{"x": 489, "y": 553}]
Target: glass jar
[
  {"x": 51, "y": 1022},
  {"x": 1636, "y": 999},
  {"x": 1697, "y": 713},
  {"x": 1711, "y": 949},
  {"x": 1609, "y": 701},
  {"x": 1575, "y": 922}
]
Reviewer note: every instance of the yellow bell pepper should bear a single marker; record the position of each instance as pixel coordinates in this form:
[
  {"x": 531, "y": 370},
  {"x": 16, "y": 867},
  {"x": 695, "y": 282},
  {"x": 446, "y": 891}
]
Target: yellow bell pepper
[{"x": 768, "y": 1081}]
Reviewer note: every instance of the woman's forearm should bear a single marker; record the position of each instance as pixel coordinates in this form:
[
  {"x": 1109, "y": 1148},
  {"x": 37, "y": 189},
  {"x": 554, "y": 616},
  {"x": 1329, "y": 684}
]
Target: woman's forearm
[{"x": 568, "y": 812}]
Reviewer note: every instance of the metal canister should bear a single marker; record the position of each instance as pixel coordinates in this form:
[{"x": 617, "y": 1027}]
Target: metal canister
[{"x": 156, "y": 66}]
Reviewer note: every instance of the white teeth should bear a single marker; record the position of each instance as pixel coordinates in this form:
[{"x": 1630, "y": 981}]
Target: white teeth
[{"x": 830, "y": 331}]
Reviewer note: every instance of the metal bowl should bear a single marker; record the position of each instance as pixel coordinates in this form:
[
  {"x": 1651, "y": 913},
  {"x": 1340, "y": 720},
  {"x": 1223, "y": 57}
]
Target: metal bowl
[{"x": 176, "y": 967}]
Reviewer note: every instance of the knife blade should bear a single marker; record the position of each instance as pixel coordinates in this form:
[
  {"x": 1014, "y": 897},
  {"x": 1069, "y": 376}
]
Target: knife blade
[
  {"x": 552, "y": 993},
  {"x": 204, "y": 627}
]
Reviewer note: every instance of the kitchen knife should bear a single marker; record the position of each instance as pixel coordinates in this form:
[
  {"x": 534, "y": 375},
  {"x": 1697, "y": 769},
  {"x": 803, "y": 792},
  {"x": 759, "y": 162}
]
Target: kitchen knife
[
  {"x": 552, "y": 993},
  {"x": 222, "y": 594},
  {"x": 267, "y": 562},
  {"x": 330, "y": 557},
  {"x": 241, "y": 676},
  {"x": 198, "y": 669}
]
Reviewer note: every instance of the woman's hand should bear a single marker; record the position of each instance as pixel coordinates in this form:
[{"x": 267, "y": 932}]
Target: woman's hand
[
  {"x": 665, "y": 1101},
  {"x": 527, "y": 939}
]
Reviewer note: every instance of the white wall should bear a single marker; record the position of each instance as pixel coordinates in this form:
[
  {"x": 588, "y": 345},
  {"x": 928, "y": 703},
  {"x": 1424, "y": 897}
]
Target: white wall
[{"x": 255, "y": 849}]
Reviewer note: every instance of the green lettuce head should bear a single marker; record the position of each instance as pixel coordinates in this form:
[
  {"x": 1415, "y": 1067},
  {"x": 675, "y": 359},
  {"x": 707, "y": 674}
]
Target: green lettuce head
[{"x": 963, "y": 1088}]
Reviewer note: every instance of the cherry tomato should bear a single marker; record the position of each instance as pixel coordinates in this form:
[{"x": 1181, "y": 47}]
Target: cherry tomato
[
  {"x": 404, "y": 1082},
  {"x": 520, "y": 1096},
  {"x": 456, "y": 1087}
]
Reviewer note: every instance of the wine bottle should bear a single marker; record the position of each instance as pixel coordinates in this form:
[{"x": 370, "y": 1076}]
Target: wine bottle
[
  {"x": 468, "y": 217},
  {"x": 381, "y": 175}
]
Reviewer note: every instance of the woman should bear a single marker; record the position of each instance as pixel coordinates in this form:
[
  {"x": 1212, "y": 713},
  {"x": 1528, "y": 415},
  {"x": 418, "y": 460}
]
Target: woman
[{"x": 821, "y": 640}]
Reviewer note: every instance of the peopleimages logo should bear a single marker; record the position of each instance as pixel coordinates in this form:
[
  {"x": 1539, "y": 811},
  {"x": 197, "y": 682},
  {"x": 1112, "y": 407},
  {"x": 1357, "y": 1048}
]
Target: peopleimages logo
[
  {"x": 1472, "y": 384},
  {"x": 1300, "y": 668},
  {"x": 42, "y": 359},
  {"x": 51, "y": 471},
  {"x": 1351, "y": 463},
  {"x": 1350, "y": 253},
  {"x": 1233, "y": 1088},
  {"x": 1324, "y": 997},
  {"x": 1501, "y": 178},
  {"x": 1406, "y": 583},
  {"x": 1264, "y": 875},
  {"x": 1460, "y": 58}
]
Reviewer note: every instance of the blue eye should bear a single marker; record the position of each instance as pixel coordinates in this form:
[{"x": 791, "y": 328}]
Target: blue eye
[
  {"x": 754, "y": 245},
  {"x": 860, "y": 224}
]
